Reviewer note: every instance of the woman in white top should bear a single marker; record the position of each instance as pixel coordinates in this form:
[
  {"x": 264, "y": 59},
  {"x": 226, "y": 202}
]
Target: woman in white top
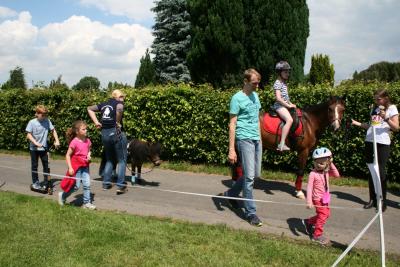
[{"x": 386, "y": 119}]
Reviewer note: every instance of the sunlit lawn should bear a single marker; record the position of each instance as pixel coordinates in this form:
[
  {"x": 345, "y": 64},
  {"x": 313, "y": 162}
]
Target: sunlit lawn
[{"x": 38, "y": 232}]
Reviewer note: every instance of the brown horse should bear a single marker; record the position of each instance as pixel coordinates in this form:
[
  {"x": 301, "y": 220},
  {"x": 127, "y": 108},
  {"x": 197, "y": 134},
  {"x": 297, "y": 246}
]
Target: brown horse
[{"x": 315, "y": 120}]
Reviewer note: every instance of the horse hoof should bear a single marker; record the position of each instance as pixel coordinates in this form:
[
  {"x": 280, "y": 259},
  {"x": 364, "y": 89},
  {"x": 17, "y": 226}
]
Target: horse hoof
[{"x": 300, "y": 194}]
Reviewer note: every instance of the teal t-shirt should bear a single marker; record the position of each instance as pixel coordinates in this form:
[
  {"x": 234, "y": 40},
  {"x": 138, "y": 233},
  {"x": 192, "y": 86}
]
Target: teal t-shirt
[{"x": 247, "y": 108}]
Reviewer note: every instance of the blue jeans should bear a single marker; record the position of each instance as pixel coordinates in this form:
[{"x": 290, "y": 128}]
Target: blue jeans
[
  {"x": 83, "y": 176},
  {"x": 35, "y": 155},
  {"x": 115, "y": 151},
  {"x": 250, "y": 152}
]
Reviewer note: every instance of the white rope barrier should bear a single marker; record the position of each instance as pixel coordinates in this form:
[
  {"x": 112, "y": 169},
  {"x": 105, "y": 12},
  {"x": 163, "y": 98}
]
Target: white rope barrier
[{"x": 196, "y": 194}]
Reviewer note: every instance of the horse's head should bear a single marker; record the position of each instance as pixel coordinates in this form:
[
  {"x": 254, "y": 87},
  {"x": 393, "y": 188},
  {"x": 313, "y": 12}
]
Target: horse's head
[{"x": 336, "y": 107}]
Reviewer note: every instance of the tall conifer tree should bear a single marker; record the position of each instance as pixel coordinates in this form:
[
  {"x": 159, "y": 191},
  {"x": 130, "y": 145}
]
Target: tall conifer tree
[
  {"x": 217, "y": 53},
  {"x": 321, "y": 70},
  {"x": 147, "y": 73},
  {"x": 276, "y": 30},
  {"x": 172, "y": 40}
]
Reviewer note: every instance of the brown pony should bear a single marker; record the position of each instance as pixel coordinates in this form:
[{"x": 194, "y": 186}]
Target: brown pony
[{"x": 315, "y": 120}]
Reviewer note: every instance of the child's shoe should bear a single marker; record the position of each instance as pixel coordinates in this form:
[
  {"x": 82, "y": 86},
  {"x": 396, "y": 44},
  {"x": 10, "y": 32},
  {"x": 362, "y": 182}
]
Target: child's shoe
[
  {"x": 233, "y": 203},
  {"x": 321, "y": 240},
  {"x": 36, "y": 186},
  {"x": 89, "y": 206},
  {"x": 61, "y": 201},
  {"x": 283, "y": 148}
]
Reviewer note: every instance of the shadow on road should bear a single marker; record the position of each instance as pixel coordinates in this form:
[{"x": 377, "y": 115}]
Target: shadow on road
[
  {"x": 267, "y": 186},
  {"x": 349, "y": 197},
  {"x": 296, "y": 226},
  {"x": 141, "y": 182},
  {"x": 221, "y": 204}
]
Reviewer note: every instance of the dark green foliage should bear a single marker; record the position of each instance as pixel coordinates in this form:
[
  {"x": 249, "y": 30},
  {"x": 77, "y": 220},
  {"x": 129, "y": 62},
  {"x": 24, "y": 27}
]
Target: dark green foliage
[
  {"x": 321, "y": 70},
  {"x": 58, "y": 84},
  {"x": 87, "y": 83},
  {"x": 16, "y": 80},
  {"x": 192, "y": 123},
  {"x": 276, "y": 30},
  {"x": 172, "y": 41},
  {"x": 218, "y": 32},
  {"x": 146, "y": 74},
  {"x": 382, "y": 71}
]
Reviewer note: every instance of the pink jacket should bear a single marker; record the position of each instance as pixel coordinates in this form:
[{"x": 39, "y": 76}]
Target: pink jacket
[{"x": 316, "y": 183}]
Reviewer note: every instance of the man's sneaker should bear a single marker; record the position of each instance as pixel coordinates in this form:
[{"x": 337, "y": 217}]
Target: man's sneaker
[
  {"x": 107, "y": 187},
  {"x": 233, "y": 203},
  {"x": 254, "y": 220},
  {"x": 121, "y": 190},
  {"x": 36, "y": 186},
  {"x": 89, "y": 206},
  {"x": 321, "y": 240},
  {"x": 61, "y": 201},
  {"x": 309, "y": 228}
]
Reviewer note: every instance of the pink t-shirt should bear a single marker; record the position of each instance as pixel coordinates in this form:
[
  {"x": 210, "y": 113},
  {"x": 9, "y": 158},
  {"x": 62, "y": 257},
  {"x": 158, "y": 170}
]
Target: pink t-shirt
[
  {"x": 80, "y": 148},
  {"x": 316, "y": 183}
]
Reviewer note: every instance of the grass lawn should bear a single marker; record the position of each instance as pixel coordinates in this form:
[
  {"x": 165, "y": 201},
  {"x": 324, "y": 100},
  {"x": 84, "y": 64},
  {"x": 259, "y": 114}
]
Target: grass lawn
[{"x": 37, "y": 232}]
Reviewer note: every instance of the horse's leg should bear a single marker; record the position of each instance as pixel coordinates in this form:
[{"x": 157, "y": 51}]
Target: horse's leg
[{"x": 302, "y": 161}]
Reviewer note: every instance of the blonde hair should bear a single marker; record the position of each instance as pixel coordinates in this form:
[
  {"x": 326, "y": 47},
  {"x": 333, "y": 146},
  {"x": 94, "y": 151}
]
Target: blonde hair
[
  {"x": 117, "y": 94},
  {"x": 249, "y": 72},
  {"x": 72, "y": 131},
  {"x": 41, "y": 109}
]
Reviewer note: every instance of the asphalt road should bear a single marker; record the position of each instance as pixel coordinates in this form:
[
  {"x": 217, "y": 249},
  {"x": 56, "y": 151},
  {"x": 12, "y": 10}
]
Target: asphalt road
[{"x": 166, "y": 194}]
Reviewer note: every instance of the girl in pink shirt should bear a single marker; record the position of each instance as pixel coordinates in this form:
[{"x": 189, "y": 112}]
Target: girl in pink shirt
[
  {"x": 318, "y": 193},
  {"x": 78, "y": 159}
]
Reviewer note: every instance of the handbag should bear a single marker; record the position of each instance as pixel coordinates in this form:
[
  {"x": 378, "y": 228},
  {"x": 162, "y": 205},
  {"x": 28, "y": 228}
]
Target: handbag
[{"x": 326, "y": 196}]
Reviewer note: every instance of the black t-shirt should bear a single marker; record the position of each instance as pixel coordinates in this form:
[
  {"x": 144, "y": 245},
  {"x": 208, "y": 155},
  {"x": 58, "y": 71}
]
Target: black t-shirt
[{"x": 108, "y": 112}]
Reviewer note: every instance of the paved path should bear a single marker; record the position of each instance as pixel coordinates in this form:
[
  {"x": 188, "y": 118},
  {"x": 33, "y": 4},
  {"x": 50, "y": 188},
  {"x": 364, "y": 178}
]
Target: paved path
[{"x": 281, "y": 216}]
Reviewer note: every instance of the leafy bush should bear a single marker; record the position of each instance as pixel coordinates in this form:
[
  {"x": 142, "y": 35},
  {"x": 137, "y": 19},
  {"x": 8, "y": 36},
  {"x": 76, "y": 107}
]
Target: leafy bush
[{"x": 192, "y": 122}]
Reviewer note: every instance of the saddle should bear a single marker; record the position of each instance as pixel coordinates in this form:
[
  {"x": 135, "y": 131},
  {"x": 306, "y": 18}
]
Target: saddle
[{"x": 273, "y": 124}]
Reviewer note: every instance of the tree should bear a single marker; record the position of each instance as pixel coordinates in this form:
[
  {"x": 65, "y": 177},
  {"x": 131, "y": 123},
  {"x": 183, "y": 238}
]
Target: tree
[
  {"x": 321, "y": 70},
  {"x": 276, "y": 30},
  {"x": 16, "y": 80},
  {"x": 87, "y": 83},
  {"x": 172, "y": 40},
  {"x": 217, "y": 53},
  {"x": 381, "y": 71},
  {"x": 58, "y": 84},
  {"x": 146, "y": 74}
]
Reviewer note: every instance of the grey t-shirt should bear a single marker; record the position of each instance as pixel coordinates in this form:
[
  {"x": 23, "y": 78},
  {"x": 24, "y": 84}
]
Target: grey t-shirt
[{"x": 40, "y": 131}]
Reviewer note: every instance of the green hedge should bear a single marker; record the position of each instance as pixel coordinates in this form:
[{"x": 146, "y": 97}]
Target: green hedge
[{"x": 192, "y": 122}]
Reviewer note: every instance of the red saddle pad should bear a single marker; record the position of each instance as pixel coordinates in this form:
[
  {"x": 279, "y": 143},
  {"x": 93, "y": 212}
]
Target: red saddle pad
[{"x": 271, "y": 125}]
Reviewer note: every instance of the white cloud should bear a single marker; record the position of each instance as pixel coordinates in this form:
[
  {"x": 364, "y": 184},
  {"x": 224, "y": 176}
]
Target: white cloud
[
  {"x": 355, "y": 34},
  {"x": 138, "y": 10},
  {"x": 74, "y": 48},
  {"x": 5, "y": 12}
]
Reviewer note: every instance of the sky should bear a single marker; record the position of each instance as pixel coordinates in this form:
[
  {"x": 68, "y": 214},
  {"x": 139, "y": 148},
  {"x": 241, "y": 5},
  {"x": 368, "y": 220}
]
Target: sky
[{"x": 107, "y": 38}]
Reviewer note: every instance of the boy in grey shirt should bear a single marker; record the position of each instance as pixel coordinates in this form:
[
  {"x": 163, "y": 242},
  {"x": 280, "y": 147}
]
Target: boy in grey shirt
[{"x": 37, "y": 133}]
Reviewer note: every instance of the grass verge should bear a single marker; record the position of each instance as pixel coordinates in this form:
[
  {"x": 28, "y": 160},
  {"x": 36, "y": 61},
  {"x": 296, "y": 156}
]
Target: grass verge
[{"x": 38, "y": 232}]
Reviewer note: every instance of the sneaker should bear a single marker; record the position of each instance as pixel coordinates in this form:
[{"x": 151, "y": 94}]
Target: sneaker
[
  {"x": 121, "y": 190},
  {"x": 300, "y": 194},
  {"x": 321, "y": 240},
  {"x": 283, "y": 148},
  {"x": 232, "y": 203},
  {"x": 309, "y": 228},
  {"x": 36, "y": 186},
  {"x": 89, "y": 206},
  {"x": 107, "y": 187},
  {"x": 61, "y": 201},
  {"x": 254, "y": 220}
]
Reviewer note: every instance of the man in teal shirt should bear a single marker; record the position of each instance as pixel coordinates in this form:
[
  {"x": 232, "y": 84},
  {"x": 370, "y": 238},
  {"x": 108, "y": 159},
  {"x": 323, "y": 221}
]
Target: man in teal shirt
[{"x": 244, "y": 135}]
